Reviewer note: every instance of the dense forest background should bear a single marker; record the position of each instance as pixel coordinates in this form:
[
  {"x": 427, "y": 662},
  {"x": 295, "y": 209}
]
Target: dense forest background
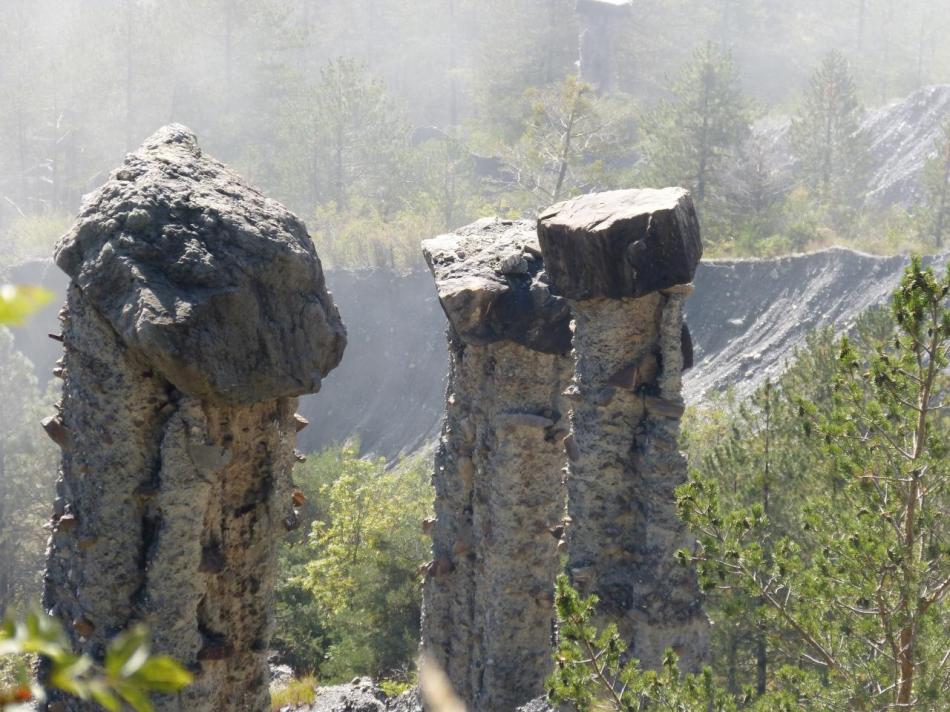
[{"x": 383, "y": 122}]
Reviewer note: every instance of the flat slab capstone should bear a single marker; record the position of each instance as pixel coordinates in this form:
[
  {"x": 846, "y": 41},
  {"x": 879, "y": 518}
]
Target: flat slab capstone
[
  {"x": 621, "y": 243},
  {"x": 492, "y": 286},
  {"x": 219, "y": 285},
  {"x": 624, "y": 260}
]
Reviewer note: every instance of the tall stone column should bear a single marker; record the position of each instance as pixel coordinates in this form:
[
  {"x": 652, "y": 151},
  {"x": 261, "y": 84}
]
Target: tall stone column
[
  {"x": 488, "y": 596},
  {"x": 196, "y": 312},
  {"x": 625, "y": 259}
]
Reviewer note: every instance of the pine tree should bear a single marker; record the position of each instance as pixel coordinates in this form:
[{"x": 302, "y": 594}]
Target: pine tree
[
  {"x": 355, "y": 138},
  {"x": 934, "y": 211},
  {"x": 855, "y": 588},
  {"x": 569, "y": 135},
  {"x": 826, "y": 135},
  {"x": 690, "y": 139}
]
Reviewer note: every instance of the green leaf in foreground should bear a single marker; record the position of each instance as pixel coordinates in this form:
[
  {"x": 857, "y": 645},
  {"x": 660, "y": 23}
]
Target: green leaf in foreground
[{"x": 19, "y": 301}]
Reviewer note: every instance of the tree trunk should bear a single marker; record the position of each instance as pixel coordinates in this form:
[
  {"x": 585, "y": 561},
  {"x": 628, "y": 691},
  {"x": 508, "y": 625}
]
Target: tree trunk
[
  {"x": 761, "y": 645},
  {"x": 942, "y": 206},
  {"x": 703, "y": 139},
  {"x": 6, "y": 563},
  {"x": 565, "y": 151},
  {"x": 453, "y": 79},
  {"x": 761, "y": 664}
]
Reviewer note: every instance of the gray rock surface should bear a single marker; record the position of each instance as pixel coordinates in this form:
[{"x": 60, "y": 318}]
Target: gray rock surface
[
  {"x": 747, "y": 317},
  {"x": 490, "y": 282},
  {"x": 903, "y": 135},
  {"x": 361, "y": 695},
  {"x": 623, "y": 452},
  {"x": 196, "y": 311},
  {"x": 488, "y": 592},
  {"x": 390, "y": 389},
  {"x": 220, "y": 286},
  {"x": 539, "y": 704},
  {"x": 409, "y": 701},
  {"x": 622, "y": 243}
]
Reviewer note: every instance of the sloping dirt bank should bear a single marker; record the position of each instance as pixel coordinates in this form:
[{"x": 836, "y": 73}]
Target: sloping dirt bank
[{"x": 747, "y": 317}]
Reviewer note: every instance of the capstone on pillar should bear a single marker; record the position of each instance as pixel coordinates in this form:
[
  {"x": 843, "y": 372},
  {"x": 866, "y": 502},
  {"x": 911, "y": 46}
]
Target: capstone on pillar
[
  {"x": 625, "y": 260},
  {"x": 488, "y": 593},
  {"x": 196, "y": 313}
]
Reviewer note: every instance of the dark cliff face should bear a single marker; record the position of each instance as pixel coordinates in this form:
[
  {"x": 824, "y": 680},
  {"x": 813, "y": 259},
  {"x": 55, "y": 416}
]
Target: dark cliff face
[
  {"x": 746, "y": 317},
  {"x": 390, "y": 388}
]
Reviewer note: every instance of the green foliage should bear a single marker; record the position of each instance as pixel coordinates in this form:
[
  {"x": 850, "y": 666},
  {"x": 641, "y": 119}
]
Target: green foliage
[
  {"x": 691, "y": 139},
  {"x": 831, "y": 151},
  {"x": 591, "y": 672},
  {"x": 354, "y": 579},
  {"x": 570, "y": 136},
  {"x": 364, "y": 236},
  {"x": 356, "y": 137},
  {"x": 128, "y": 676},
  {"x": 27, "y": 472},
  {"x": 31, "y": 236},
  {"x": 394, "y": 688},
  {"x": 933, "y": 212},
  {"x": 842, "y": 565},
  {"x": 296, "y": 692},
  {"x": 19, "y": 301}
]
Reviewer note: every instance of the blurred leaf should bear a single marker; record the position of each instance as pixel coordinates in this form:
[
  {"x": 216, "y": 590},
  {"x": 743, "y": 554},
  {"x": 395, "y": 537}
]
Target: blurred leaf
[
  {"x": 135, "y": 696},
  {"x": 163, "y": 674},
  {"x": 19, "y": 301},
  {"x": 127, "y": 652}
]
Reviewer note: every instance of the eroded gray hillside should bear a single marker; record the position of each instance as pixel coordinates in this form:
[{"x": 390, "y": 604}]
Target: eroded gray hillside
[
  {"x": 747, "y": 317},
  {"x": 902, "y": 135}
]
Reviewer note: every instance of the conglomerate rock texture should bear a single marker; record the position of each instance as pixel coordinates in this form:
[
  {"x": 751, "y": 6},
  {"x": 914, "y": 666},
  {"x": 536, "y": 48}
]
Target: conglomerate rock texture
[
  {"x": 488, "y": 594},
  {"x": 196, "y": 312},
  {"x": 625, "y": 259}
]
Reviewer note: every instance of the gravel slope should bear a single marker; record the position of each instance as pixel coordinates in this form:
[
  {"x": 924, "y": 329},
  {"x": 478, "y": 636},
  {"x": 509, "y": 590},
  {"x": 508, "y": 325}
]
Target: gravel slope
[{"x": 747, "y": 317}]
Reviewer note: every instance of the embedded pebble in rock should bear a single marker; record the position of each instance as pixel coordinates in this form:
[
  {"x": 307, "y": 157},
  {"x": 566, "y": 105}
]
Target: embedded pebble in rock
[
  {"x": 625, "y": 260},
  {"x": 488, "y": 592},
  {"x": 196, "y": 312}
]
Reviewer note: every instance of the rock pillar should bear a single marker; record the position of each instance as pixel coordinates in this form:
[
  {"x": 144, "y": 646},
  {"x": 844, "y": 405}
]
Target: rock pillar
[
  {"x": 488, "y": 596},
  {"x": 625, "y": 259},
  {"x": 599, "y": 20},
  {"x": 196, "y": 312}
]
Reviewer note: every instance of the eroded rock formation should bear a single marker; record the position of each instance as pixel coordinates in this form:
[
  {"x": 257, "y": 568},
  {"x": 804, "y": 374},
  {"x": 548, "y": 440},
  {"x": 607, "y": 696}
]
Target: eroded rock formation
[
  {"x": 196, "y": 312},
  {"x": 488, "y": 605},
  {"x": 624, "y": 260}
]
